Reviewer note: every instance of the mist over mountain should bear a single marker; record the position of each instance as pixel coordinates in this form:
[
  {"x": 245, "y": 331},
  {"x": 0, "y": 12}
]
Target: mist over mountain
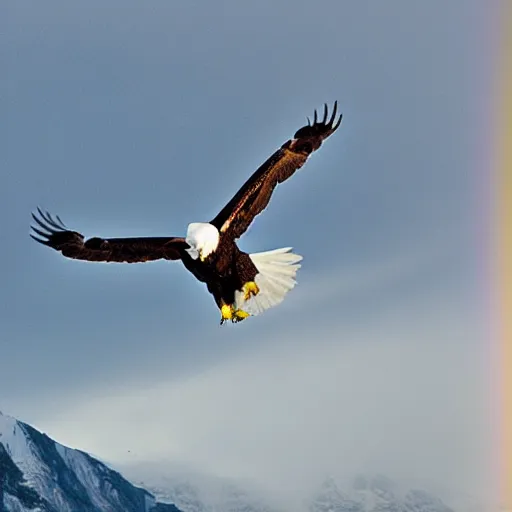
[
  {"x": 197, "y": 492},
  {"x": 40, "y": 475}
]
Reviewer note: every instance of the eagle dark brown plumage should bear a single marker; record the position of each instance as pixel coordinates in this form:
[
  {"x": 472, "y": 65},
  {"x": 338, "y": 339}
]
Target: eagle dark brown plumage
[
  {"x": 254, "y": 196},
  {"x": 242, "y": 284},
  {"x": 121, "y": 250}
]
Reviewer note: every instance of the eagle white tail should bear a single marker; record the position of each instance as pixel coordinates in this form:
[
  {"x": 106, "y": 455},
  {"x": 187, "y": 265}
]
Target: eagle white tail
[{"x": 275, "y": 278}]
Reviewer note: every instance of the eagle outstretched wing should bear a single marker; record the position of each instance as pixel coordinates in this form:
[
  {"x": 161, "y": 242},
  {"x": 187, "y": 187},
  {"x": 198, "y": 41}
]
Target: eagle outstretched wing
[
  {"x": 53, "y": 233},
  {"x": 254, "y": 196}
]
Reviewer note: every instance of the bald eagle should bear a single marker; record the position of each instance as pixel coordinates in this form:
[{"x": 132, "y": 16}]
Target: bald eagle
[{"x": 242, "y": 284}]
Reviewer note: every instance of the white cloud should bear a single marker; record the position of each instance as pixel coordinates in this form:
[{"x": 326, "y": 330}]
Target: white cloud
[{"x": 403, "y": 394}]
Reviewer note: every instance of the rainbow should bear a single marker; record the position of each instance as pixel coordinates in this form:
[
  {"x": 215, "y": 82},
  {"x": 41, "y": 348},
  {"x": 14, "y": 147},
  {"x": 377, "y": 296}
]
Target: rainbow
[{"x": 502, "y": 249}]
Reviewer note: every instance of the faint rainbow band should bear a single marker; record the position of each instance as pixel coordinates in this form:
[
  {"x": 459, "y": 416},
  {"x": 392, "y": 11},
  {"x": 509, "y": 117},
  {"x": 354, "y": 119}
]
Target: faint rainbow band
[{"x": 503, "y": 256}]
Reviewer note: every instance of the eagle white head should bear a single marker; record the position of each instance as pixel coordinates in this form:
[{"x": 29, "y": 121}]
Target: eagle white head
[{"x": 203, "y": 239}]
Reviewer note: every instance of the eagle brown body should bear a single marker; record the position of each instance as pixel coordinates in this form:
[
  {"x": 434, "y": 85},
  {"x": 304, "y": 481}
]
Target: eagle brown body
[
  {"x": 224, "y": 271},
  {"x": 210, "y": 251}
]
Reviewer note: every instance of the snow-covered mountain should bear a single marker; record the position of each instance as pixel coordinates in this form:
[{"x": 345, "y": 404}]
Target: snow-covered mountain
[
  {"x": 374, "y": 494},
  {"x": 38, "y": 474},
  {"x": 197, "y": 493},
  {"x": 192, "y": 492}
]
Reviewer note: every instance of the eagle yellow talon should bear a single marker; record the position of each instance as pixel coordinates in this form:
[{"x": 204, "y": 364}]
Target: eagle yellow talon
[
  {"x": 226, "y": 312},
  {"x": 240, "y": 315},
  {"x": 250, "y": 289},
  {"x": 230, "y": 313}
]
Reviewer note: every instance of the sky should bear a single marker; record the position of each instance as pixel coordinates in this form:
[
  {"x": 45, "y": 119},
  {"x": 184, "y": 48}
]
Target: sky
[{"x": 134, "y": 119}]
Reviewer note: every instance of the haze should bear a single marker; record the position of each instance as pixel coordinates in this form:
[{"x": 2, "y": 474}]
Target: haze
[{"x": 134, "y": 119}]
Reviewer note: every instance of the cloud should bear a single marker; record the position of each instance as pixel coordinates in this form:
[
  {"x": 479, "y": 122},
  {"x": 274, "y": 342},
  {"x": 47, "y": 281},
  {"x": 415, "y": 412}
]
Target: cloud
[
  {"x": 400, "y": 390},
  {"x": 375, "y": 364}
]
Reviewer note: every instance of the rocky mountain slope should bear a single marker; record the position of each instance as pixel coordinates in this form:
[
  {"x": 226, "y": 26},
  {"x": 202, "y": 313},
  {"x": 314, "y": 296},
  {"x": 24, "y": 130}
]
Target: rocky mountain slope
[{"x": 41, "y": 475}]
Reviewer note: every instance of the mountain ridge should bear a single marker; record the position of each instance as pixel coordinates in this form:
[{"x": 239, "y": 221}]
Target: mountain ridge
[{"x": 39, "y": 474}]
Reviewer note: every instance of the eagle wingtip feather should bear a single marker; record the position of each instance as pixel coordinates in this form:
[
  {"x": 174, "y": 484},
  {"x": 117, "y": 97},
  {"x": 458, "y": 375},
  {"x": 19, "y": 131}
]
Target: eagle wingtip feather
[{"x": 321, "y": 128}]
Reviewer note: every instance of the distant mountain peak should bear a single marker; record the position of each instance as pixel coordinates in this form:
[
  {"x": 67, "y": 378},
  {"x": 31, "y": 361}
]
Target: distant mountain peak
[
  {"x": 375, "y": 493},
  {"x": 39, "y": 474}
]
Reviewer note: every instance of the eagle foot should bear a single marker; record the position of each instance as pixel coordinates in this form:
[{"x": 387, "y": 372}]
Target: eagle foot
[
  {"x": 228, "y": 312},
  {"x": 239, "y": 315},
  {"x": 250, "y": 289}
]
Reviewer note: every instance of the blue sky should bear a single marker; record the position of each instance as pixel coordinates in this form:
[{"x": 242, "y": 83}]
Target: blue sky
[{"x": 134, "y": 119}]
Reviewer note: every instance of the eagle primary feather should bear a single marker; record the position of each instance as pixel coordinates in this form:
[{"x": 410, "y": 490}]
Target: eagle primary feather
[
  {"x": 254, "y": 195},
  {"x": 242, "y": 284},
  {"x": 121, "y": 250}
]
